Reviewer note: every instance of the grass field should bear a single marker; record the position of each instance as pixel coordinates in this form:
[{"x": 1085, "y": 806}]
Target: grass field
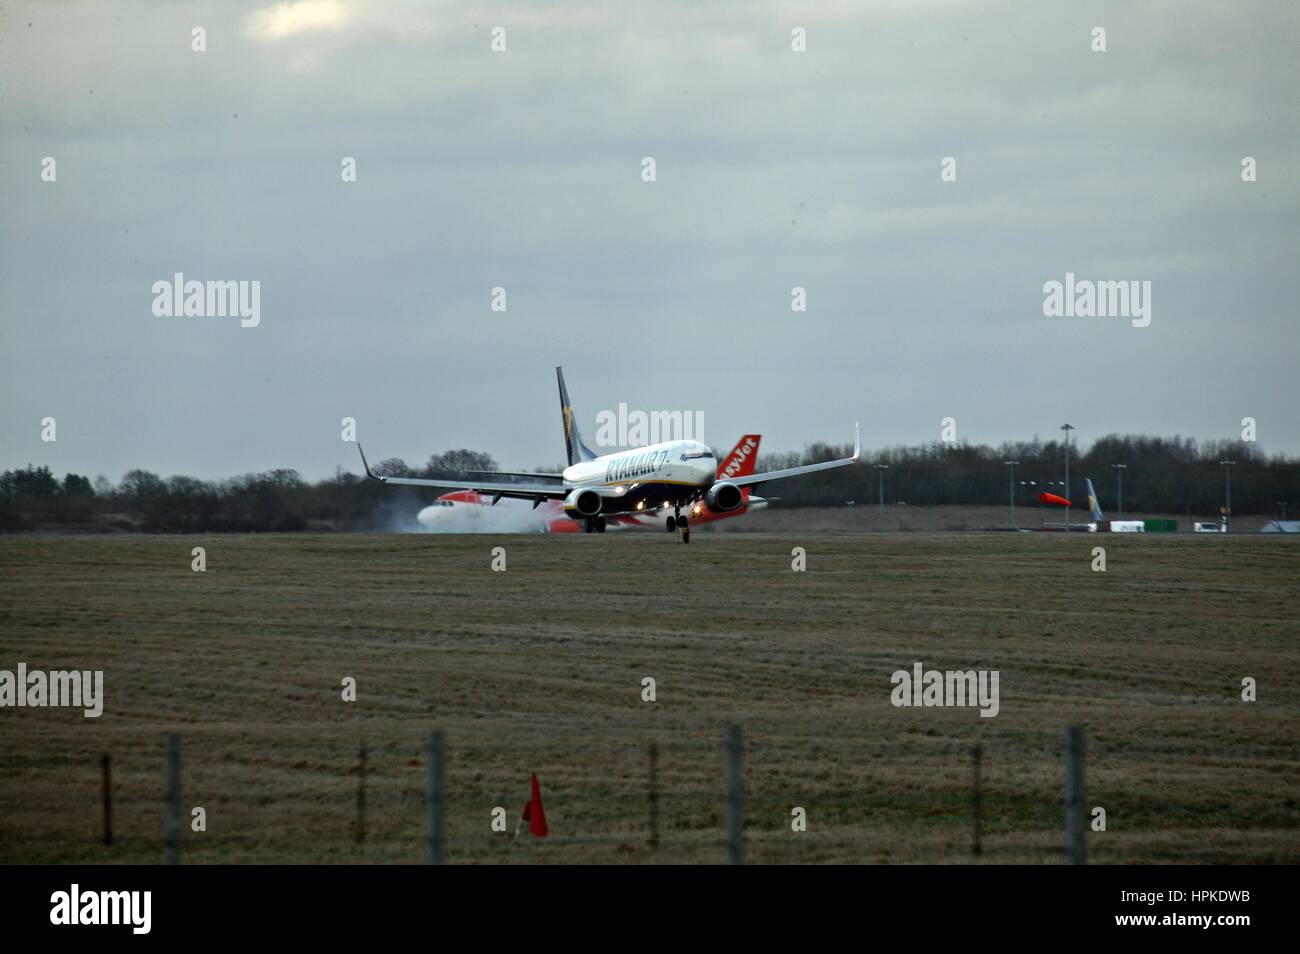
[
  {"x": 539, "y": 668},
  {"x": 866, "y": 517}
]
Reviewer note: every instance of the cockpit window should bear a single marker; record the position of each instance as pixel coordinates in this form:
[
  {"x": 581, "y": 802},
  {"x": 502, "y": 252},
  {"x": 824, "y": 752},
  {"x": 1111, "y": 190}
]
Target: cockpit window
[{"x": 697, "y": 455}]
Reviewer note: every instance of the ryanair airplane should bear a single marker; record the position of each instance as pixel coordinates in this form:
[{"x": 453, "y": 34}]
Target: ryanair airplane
[{"x": 673, "y": 475}]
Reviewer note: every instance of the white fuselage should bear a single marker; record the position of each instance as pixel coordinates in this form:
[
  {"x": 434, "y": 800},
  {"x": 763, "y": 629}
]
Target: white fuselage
[
  {"x": 679, "y": 469},
  {"x": 449, "y": 514}
]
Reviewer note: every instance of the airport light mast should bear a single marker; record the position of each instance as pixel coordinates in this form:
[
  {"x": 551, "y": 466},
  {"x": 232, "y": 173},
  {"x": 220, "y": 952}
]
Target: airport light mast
[
  {"x": 1227, "y": 490},
  {"x": 1119, "y": 476},
  {"x": 880, "y": 469},
  {"x": 1042, "y": 505},
  {"x": 1031, "y": 483},
  {"x": 1067, "y": 428},
  {"x": 1011, "y": 468}
]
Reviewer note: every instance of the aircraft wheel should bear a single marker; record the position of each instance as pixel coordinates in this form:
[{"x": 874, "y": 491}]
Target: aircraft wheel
[
  {"x": 672, "y": 524},
  {"x": 681, "y": 523},
  {"x": 587, "y": 525},
  {"x": 600, "y": 524}
]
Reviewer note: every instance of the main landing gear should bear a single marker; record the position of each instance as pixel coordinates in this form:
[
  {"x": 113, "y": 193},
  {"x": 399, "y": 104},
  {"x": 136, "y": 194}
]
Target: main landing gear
[
  {"x": 593, "y": 525},
  {"x": 678, "y": 522}
]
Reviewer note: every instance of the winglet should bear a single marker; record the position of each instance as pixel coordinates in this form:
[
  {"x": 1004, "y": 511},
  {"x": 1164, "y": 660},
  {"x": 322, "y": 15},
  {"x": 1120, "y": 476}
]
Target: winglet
[
  {"x": 857, "y": 442},
  {"x": 365, "y": 465}
]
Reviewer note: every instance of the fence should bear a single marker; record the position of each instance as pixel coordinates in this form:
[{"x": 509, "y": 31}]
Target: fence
[{"x": 733, "y": 841}]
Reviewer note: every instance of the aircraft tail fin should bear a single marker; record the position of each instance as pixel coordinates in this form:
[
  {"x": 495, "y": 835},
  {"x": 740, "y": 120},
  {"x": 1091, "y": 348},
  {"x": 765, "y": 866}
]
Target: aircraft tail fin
[
  {"x": 740, "y": 462},
  {"x": 577, "y": 451},
  {"x": 1092, "y": 502}
]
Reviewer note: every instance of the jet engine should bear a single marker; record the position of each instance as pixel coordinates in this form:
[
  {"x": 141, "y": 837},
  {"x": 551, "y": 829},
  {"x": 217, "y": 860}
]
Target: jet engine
[
  {"x": 723, "y": 497},
  {"x": 582, "y": 503}
]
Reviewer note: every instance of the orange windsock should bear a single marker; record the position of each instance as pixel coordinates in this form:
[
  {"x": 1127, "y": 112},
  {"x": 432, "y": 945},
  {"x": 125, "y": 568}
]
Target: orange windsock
[{"x": 1046, "y": 498}]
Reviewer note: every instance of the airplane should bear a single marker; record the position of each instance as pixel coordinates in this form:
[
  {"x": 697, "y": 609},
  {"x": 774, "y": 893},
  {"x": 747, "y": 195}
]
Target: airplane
[
  {"x": 671, "y": 475},
  {"x": 463, "y": 510},
  {"x": 739, "y": 463},
  {"x": 466, "y": 511}
]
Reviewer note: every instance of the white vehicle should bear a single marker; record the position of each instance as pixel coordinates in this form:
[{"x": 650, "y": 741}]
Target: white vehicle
[
  {"x": 1128, "y": 526},
  {"x": 673, "y": 475}
]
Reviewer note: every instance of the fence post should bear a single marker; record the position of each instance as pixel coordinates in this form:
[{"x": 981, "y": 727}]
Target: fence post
[
  {"x": 1076, "y": 847},
  {"x": 361, "y": 796},
  {"x": 172, "y": 801},
  {"x": 733, "y": 782},
  {"x": 654, "y": 797},
  {"x": 107, "y": 773},
  {"x": 436, "y": 801},
  {"x": 979, "y": 802}
]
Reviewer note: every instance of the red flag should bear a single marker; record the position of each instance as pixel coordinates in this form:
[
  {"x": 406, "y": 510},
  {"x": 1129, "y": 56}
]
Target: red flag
[{"x": 534, "y": 814}]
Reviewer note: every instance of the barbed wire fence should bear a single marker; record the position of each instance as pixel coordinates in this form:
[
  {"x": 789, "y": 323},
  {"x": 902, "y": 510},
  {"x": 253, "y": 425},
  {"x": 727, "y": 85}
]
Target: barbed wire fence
[{"x": 712, "y": 825}]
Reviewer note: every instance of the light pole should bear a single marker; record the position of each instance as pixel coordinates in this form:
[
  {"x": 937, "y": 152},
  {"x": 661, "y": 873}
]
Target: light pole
[
  {"x": 1282, "y": 504},
  {"x": 1067, "y": 428},
  {"x": 1042, "y": 505},
  {"x": 1227, "y": 489},
  {"x": 1031, "y": 484},
  {"x": 1119, "y": 476},
  {"x": 880, "y": 469},
  {"x": 1011, "y": 482}
]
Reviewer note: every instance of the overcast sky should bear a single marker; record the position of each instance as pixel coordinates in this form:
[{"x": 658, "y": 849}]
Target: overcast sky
[{"x": 523, "y": 169}]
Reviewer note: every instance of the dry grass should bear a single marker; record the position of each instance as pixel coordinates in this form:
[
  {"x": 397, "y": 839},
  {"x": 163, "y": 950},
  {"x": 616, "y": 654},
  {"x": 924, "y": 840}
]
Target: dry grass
[
  {"x": 539, "y": 668},
  {"x": 866, "y": 517}
]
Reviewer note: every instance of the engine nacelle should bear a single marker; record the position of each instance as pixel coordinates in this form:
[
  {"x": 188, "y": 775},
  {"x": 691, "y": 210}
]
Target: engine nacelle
[
  {"x": 582, "y": 503},
  {"x": 723, "y": 497}
]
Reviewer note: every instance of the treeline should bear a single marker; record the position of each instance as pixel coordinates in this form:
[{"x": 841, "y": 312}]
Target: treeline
[
  {"x": 1163, "y": 475},
  {"x": 276, "y": 501}
]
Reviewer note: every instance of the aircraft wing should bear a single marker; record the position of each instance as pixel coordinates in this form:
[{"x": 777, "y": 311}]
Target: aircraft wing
[
  {"x": 755, "y": 479},
  {"x": 515, "y": 473},
  {"x": 534, "y": 492}
]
